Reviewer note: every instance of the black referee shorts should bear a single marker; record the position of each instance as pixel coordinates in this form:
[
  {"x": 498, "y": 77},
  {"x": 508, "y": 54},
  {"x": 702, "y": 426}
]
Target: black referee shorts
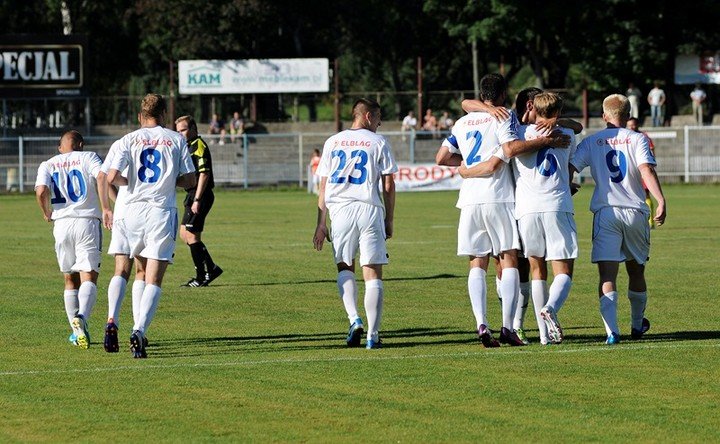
[{"x": 192, "y": 222}]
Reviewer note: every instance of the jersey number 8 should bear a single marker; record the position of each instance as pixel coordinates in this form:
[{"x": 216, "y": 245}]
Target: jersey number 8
[{"x": 150, "y": 160}]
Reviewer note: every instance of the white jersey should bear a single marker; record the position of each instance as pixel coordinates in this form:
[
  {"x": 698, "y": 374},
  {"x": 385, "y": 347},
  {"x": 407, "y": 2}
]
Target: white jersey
[
  {"x": 119, "y": 208},
  {"x": 480, "y": 136},
  {"x": 542, "y": 178},
  {"x": 72, "y": 180},
  {"x": 155, "y": 158},
  {"x": 354, "y": 161},
  {"x": 614, "y": 155}
]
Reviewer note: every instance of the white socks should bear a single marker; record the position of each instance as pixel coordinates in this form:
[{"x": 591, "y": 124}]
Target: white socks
[
  {"x": 71, "y": 304},
  {"x": 559, "y": 291},
  {"x": 522, "y": 305},
  {"x": 608, "y": 311},
  {"x": 148, "y": 307},
  {"x": 87, "y": 295},
  {"x": 137, "y": 291},
  {"x": 348, "y": 293},
  {"x": 638, "y": 300},
  {"x": 373, "y": 307},
  {"x": 539, "y": 297},
  {"x": 477, "y": 288},
  {"x": 116, "y": 294},
  {"x": 509, "y": 287}
]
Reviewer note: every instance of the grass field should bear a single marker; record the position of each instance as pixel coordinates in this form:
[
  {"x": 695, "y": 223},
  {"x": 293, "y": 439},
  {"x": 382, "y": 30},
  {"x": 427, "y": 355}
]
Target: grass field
[{"x": 260, "y": 356}]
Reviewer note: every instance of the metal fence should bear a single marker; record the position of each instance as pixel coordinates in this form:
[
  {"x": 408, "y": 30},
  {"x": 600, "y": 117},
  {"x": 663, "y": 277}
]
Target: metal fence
[{"x": 688, "y": 154}]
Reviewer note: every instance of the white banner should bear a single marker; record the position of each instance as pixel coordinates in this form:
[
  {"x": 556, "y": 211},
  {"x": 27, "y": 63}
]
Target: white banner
[
  {"x": 426, "y": 177},
  {"x": 691, "y": 69},
  {"x": 253, "y": 76}
]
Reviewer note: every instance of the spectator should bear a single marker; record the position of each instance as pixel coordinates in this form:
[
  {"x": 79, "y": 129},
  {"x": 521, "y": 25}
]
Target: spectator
[
  {"x": 314, "y": 162},
  {"x": 409, "y": 123},
  {"x": 430, "y": 123},
  {"x": 217, "y": 126},
  {"x": 633, "y": 94},
  {"x": 237, "y": 126},
  {"x": 698, "y": 97},
  {"x": 445, "y": 122},
  {"x": 656, "y": 99}
]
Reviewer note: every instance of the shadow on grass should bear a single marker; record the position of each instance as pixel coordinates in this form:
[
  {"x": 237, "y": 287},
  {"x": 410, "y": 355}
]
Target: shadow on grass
[
  {"x": 332, "y": 281},
  {"x": 393, "y": 339}
]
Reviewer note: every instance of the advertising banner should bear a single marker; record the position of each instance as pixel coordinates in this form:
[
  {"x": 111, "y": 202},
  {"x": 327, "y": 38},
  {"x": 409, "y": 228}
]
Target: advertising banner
[
  {"x": 426, "y": 177},
  {"x": 704, "y": 68},
  {"x": 253, "y": 76},
  {"x": 44, "y": 66}
]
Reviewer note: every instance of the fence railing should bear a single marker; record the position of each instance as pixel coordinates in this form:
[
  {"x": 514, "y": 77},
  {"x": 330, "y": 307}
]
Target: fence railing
[{"x": 686, "y": 154}]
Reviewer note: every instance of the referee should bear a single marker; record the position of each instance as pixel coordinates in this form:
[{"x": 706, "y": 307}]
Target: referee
[{"x": 198, "y": 203}]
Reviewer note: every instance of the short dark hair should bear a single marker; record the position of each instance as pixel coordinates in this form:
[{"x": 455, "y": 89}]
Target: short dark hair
[
  {"x": 75, "y": 137},
  {"x": 522, "y": 99},
  {"x": 492, "y": 86},
  {"x": 362, "y": 106},
  {"x": 153, "y": 106}
]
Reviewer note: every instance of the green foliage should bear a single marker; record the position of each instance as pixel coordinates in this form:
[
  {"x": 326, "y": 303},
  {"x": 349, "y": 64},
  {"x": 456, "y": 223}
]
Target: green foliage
[{"x": 260, "y": 355}]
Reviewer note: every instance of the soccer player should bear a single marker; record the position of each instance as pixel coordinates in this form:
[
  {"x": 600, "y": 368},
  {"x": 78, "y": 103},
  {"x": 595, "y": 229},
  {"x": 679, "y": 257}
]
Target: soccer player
[
  {"x": 66, "y": 190},
  {"x": 354, "y": 165},
  {"x": 544, "y": 210},
  {"x": 157, "y": 160},
  {"x": 634, "y": 125},
  {"x": 524, "y": 107},
  {"x": 487, "y": 224},
  {"x": 120, "y": 249},
  {"x": 619, "y": 160},
  {"x": 198, "y": 202}
]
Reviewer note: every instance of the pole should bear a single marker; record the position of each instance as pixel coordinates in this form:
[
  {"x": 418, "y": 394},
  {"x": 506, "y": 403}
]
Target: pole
[
  {"x": 419, "y": 89},
  {"x": 172, "y": 91},
  {"x": 476, "y": 72},
  {"x": 336, "y": 81},
  {"x": 87, "y": 115},
  {"x": 21, "y": 163},
  {"x": 687, "y": 154},
  {"x": 586, "y": 114},
  {"x": 245, "y": 160},
  {"x": 300, "y": 160}
]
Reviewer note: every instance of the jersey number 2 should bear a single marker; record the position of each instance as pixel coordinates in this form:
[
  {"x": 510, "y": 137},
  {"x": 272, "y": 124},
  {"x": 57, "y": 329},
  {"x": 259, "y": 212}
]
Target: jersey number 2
[{"x": 362, "y": 159}]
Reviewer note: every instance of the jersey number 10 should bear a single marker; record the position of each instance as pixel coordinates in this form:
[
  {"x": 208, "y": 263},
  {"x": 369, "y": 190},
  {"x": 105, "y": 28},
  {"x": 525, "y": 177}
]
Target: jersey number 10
[{"x": 75, "y": 194}]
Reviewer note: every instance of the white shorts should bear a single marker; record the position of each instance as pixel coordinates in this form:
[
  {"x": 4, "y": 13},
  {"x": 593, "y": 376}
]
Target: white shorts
[
  {"x": 487, "y": 229},
  {"x": 151, "y": 231},
  {"x": 359, "y": 225},
  {"x": 552, "y": 235},
  {"x": 620, "y": 234},
  {"x": 78, "y": 244},
  {"x": 119, "y": 243}
]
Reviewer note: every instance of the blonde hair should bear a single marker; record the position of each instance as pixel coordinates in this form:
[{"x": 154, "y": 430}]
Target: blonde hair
[
  {"x": 548, "y": 104},
  {"x": 616, "y": 106},
  {"x": 192, "y": 125},
  {"x": 153, "y": 106}
]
